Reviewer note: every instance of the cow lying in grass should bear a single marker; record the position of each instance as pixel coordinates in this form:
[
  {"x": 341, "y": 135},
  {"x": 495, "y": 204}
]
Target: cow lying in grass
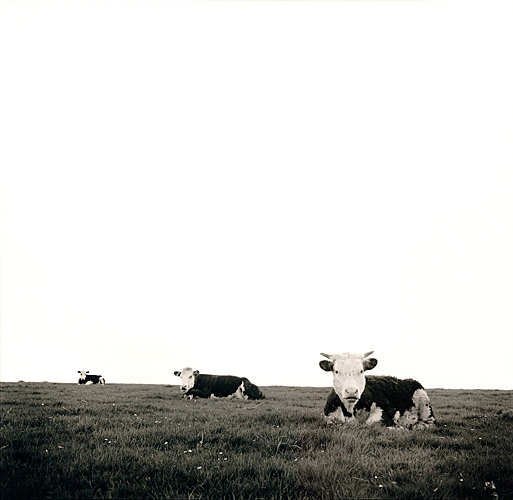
[
  {"x": 87, "y": 379},
  {"x": 395, "y": 402},
  {"x": 193, "y": 383}
]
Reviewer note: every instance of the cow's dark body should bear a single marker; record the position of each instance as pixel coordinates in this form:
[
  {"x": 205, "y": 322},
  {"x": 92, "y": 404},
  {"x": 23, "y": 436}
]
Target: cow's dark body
[
  {"x": 389, "y": 393},
  {"x": 95, "y": 379},
  {"x": 222, "y": 386}
]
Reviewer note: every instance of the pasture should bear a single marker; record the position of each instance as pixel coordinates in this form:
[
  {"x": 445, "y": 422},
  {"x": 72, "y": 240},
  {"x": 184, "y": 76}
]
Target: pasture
[{"x": 144, "y": 441}]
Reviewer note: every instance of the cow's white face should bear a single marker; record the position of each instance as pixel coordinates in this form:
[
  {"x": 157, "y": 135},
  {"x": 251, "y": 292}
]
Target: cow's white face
[
  {"x": 83, "y": 374},
  {"x": 348, "y": 375},
  {"x": 187, "y": 378}
]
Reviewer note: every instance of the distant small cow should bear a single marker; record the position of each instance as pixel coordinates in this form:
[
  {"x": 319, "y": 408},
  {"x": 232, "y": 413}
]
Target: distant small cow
[
  {"x": 193, "y": 383},
  {"x": 395, "y": 402},
  {"x": 87, "y": 379}
]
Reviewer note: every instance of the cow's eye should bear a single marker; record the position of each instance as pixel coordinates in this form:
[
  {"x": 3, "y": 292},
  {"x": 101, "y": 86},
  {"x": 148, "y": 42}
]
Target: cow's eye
[
  {"x": 336, "y": 372},
  {"x": 361, "y": 371}
]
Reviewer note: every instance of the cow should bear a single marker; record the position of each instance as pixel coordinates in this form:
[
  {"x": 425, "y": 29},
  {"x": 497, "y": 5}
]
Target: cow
[
  {"x": 193, "y": 383},
  {"x": 86, "y": 379},
  {"x": 395, "y": 402}
]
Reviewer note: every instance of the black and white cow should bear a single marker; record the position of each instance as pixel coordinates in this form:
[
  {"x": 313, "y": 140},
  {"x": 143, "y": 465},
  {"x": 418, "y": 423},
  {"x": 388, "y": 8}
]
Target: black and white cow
[
  {"x": 395, "y": 402},
  {"x": 193, "y": 383},
  {"x": 87, "y": 379}
]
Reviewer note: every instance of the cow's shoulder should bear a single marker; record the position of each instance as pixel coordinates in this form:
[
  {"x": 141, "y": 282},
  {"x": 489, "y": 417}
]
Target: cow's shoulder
[
  {"x": 204, "y": 379},
  {"x": 384, "y": 384}
]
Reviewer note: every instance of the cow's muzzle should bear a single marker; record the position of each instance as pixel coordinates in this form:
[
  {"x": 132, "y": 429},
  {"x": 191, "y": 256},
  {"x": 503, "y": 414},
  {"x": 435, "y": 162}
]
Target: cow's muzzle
[{"x": 351, "y": 394}]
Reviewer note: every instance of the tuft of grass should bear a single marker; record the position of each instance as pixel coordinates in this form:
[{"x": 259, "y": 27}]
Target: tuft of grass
[{"x": 144, "y": 441}]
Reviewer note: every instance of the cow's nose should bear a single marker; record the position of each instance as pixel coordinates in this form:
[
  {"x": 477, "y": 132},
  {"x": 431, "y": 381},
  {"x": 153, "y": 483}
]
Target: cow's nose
[
  {"x": 183, "y": 389},
  {"x": 351, "y": 392}
]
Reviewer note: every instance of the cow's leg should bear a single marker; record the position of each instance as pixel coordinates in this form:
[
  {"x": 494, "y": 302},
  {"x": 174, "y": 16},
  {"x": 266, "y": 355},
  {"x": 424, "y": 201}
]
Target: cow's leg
[
  {"x": 240, "y": 392},
  {"x": 335, "y": 416},
  {"x": 407, "y": 420},
  {"x": 376, "y": 414},
  {"x": 200, "y": 393},
  {"x": 388, "y": 415},
  {"x": 419, "y": 415},
  {"x": 423, "y": 410}
]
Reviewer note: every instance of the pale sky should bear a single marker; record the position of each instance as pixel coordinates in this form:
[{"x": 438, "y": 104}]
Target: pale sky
[{"x": 237, "y": 187}]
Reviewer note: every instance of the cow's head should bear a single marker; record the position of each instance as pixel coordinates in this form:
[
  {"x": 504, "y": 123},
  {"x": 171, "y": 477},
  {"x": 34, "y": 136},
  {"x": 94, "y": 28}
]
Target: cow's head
[
  {"x": 83, "y": 374},
  {"x": 348, "y": 375},
  {"x": 187, "y": 378}
]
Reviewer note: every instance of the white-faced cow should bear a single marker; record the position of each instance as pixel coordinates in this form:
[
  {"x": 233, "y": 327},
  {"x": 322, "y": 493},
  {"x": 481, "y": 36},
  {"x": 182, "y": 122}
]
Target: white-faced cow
[
  {"x": 395, "y": 402},
  {"x": 193, "y": 383},
  {"x": 87, "y": 379}
]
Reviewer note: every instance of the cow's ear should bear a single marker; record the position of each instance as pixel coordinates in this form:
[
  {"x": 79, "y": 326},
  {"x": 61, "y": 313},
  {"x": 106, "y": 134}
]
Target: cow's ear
[
  {"x": 178, "y": 373},
  {"x": 370, "y": 363},
  {"x": 195, "y": 373},
  {"x": 78, "y": 371},
  {"x": 87, "y": 371},
  {"x": 327, "y": 366}
]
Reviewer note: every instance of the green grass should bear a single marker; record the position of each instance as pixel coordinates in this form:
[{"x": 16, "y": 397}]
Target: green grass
[{"x": 144, "y": 441}]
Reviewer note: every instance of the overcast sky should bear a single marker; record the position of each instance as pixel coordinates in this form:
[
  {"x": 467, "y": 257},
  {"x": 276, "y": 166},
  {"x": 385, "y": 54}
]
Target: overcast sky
[{"x": 237, "y": 187}]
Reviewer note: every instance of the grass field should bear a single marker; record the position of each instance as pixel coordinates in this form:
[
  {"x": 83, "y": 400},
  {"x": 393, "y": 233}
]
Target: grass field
[{"x": 144, "y": 441}]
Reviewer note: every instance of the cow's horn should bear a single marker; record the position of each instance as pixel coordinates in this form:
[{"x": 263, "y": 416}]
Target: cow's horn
[
  {"x": 367, "y": 354},
  {"x": 329, "y": 356}
]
